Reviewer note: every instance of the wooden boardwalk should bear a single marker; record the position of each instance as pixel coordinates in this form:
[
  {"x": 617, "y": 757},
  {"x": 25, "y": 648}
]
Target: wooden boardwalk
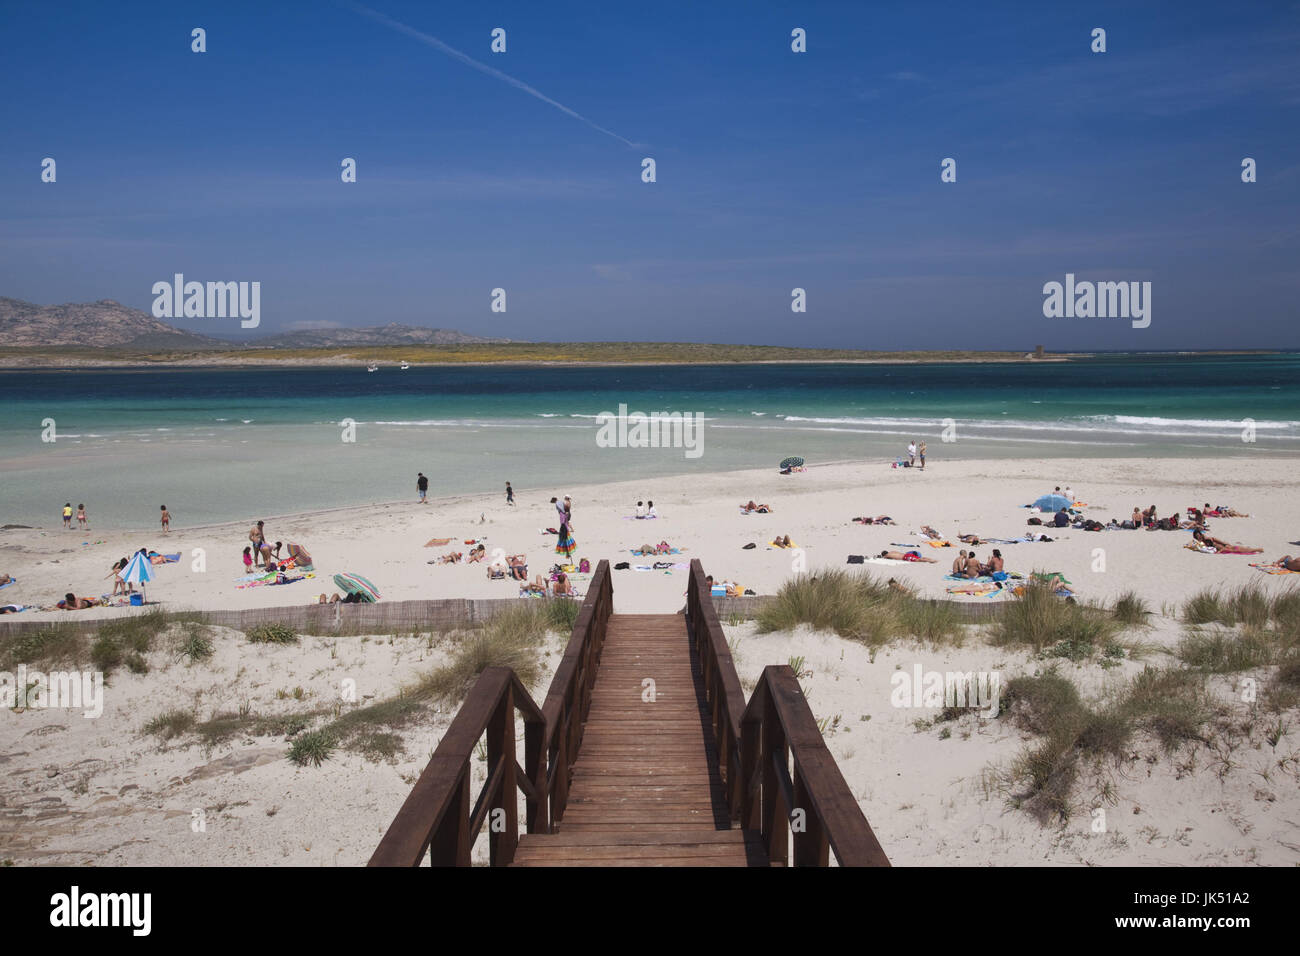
[
  {"x": 644, "y": 752},
  {"x": 646, "y": 790}
]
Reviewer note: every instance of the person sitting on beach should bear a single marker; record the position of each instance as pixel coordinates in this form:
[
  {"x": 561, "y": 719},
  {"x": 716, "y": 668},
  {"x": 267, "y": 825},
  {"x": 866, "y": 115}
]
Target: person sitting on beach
[
  {"x": 561, "y": 585},
  {"x": 995, "y": 565},
  {"x": 71, "y": 602},
  {"x": 959, "y": 563},
  {"x": 663, "y": 547},
  {"x": 476, "y": 554},
  {"x": 650, "y": 511},
  {"x": 1149, "y": 517},
  {"x": 1288, "y": 563},
  {"x": 640, "y": 509},
  {"x": 1062, "y": 519},
  {"x": 973, "y": 569},
  {"x": 905, "y": 556},
  {"x": 782, "y": 541}
]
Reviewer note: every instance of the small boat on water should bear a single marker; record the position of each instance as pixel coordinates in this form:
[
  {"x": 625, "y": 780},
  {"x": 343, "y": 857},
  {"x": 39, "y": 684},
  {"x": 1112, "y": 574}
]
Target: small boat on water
[
  {"x": 405, "y": 365},
  {"x": 372, "y": 367}
]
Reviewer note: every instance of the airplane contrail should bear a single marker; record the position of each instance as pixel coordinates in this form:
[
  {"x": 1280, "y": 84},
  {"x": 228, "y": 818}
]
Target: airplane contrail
[{"x": 481, "y": 67}]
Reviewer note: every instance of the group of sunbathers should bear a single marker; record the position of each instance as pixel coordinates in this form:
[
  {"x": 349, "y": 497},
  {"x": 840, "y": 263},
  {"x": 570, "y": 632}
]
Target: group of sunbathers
[
  {"x": 879, "y": 519},
  {"x": 752, "y": 508},
  {"x": 967, "y": 565}
]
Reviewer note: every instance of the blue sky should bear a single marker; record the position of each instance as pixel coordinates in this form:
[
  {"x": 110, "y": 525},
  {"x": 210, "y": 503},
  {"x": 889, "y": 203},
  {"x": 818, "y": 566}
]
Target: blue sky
[{"x": 775, "y": 169}]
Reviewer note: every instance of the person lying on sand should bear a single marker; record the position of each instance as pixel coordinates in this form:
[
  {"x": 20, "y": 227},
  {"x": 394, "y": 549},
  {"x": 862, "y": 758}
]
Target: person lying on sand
[
  {"x": 476, "y": 554},
  {"x": 5, "y": 579},
  {"x": 518, "y": 566},
  {"x": 969, "y": 538},
  {"x": 1218, "y": 544},
  {"x": 451, "y": 557},
  {"x": 751, "y": 507},
  {"x": 879, "y": 519},
  {"x": 782, "y": 541},
  {"x": 1288, "y": 562},
  {"x": 906, "y": 556},
  {"x": 71, "y": 602},
  {"x": 931, "y": 533}
]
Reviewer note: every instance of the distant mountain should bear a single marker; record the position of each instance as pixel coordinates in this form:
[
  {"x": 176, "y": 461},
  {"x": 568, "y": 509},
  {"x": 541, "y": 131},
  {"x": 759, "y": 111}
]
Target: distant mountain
[
  {"x": 102, "y": 324},
  {"x": 391, "y": 334}
]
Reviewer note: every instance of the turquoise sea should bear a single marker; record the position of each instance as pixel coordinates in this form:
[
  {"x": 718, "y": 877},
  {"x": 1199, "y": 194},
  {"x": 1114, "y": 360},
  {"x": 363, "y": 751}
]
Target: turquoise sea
[{"x": 226, "y": 444}]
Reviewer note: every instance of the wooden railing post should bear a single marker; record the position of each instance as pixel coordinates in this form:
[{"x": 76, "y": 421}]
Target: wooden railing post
[
  {"x": 811, "y": 848},
  {"x": 535, "y": 804},
  {"x": 503, "y": 835},
  {"x": 450, "y": 845},
  {"x": 775, "y": 821}
]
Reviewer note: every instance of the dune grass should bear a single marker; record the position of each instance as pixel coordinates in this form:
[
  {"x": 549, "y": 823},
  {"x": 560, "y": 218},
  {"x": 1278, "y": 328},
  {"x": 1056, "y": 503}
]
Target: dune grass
[
  {"x": 1249, "y": 605},
  {"x": 1172, "y": 705},
  {"x": 1131, "y": 610},
  {"x": 859, "y": 607},
  {"x": 1040, "y": 618}
]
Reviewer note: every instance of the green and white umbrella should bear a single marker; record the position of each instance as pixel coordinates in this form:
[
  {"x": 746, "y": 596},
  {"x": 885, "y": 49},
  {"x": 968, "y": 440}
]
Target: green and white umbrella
[
  {"x": 356, "y": 584},
  {"x": 795, "y": 462}
]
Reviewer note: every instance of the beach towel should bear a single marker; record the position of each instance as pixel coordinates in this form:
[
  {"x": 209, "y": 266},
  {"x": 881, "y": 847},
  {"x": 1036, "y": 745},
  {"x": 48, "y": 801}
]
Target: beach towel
[
  {"x": 7, "y": 583},
  {"x": 939, "y": 544},
  {"x": 974, "y": 589},
  {"x": 1273, "y": 569},
  {"x": 987, "y": 579},
  {"x": 439, "y": 542},
  {"x": 881, "y": 561}
]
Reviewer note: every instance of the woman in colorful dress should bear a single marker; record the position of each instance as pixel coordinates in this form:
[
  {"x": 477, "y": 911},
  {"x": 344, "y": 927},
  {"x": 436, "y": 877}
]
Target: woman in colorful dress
[{"x": 565, "y": 545}]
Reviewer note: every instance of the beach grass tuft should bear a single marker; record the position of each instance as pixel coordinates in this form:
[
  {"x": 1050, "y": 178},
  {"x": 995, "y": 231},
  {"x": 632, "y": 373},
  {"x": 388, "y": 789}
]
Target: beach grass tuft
[
  {"x": 172, "y": 723},
  {"x": 859, "y": 607},
  {"x": 1131, "y": 609},
  {"x": 1040, "y": 618},
  {"x": 272, "y": 633},
  {"x": 312, "y": 748}
]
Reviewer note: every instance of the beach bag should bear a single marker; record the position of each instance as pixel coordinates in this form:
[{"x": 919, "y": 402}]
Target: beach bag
[
  {"x": 857, "y": 558},
  {"x": 1035, "y": 521},
  {"x": 999, "y": 575},
  {"x": 622, "y": 566},
  {"x": 584, "y": 566}
]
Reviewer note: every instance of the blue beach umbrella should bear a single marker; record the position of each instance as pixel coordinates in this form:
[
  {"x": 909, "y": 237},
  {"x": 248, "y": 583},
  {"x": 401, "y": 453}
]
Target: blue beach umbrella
[
  {"x": 137, "y": 571},
  {"x": 1053, "y": 503}
]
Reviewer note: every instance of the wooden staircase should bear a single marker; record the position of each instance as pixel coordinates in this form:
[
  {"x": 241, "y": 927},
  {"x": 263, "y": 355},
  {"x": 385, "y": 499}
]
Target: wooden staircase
[
  {"x": 646, "y": 790},
  {"x": 643, "y": 753}
]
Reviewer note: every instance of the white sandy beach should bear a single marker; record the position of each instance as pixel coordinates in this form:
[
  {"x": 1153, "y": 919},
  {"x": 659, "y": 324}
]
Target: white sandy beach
[
  {"x": 100, "y": 791},
  {"x": 702, "y": 518}
]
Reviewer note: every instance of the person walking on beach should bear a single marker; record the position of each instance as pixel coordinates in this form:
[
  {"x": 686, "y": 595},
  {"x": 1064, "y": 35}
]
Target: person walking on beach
[
  {"x": 422, "y": 486},
  {"x": 67, "y": 515},
  {"x": 81, "y": 516},
  {"x": 166, "y": 518},
  {"x": 921, "y": 452},
  {"x": 510, "y": 495}
]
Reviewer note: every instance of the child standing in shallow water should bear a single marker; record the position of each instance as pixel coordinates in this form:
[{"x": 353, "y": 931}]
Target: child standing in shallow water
[
  {"x": 81, "y": 516},
  {"x": 166, "y": 520}
]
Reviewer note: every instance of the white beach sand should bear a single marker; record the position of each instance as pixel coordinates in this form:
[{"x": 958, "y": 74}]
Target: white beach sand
[{"x": 100, "y": 791}]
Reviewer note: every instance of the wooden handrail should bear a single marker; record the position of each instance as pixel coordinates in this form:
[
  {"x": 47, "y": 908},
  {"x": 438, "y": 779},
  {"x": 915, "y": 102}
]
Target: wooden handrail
[
  {"x": 722, "y": 688},
  {"x": 813, "y": 801},
  {"x": 437, "y": 816},
  {"x": 755, "y": 743},
  {"x": 568, "y": 700}
]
